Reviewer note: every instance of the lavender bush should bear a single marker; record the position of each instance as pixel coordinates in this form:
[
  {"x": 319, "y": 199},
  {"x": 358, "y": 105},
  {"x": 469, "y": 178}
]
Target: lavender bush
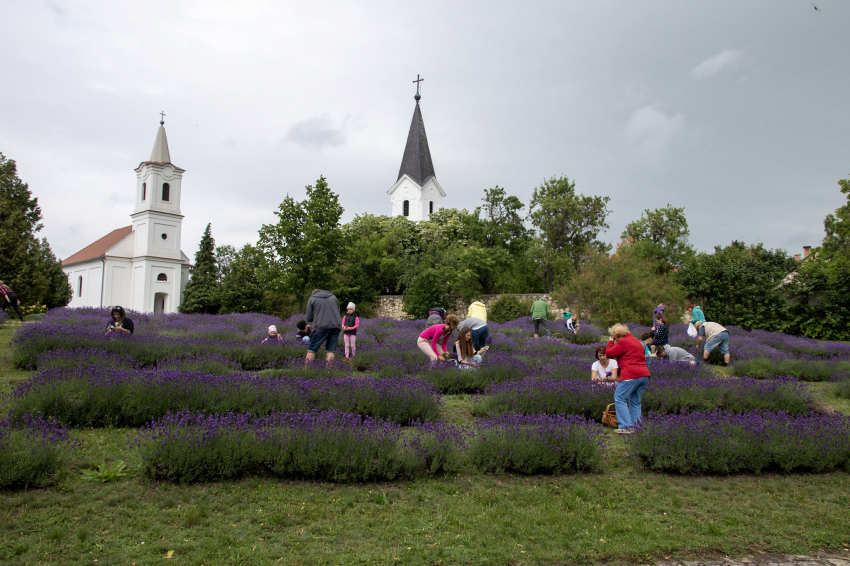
[
  {"x": 328, "y": 445},
  {"x": 664, "y": 395},
  {"x": 532, "y": 444},
  {"x": 110, "y": 397},
  {"x": 842, "y": 390},
  {"x": 31, "y": 451},
  {"x": 719, "y": 442}
]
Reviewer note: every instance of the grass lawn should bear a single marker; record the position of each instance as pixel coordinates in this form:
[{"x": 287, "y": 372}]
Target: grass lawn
[{"x": 621, "y": 514}]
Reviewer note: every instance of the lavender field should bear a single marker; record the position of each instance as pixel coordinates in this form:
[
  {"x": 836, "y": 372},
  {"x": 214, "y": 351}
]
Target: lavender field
[{"x": 193, "y": 399}]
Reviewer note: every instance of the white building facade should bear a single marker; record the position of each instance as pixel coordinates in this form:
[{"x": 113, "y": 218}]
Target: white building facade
[
  {"x": 139, "y": 267},
  {"x": 417, "y": 193}
]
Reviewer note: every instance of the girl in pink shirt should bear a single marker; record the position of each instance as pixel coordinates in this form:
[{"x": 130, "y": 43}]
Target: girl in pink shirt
[{"x": 428, "y": 340}]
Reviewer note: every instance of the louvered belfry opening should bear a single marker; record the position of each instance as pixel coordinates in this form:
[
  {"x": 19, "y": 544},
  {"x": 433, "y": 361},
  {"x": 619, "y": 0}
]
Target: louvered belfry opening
[{"x": 166, "y": 192}]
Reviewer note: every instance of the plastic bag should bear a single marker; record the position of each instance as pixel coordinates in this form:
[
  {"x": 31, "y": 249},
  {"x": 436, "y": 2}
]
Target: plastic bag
[{"x": 692, "y": 330}]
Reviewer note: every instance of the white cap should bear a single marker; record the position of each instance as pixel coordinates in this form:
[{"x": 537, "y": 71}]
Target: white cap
[
  {"x": 272, "y": 328},
  {"x": 350, "y": 306}
]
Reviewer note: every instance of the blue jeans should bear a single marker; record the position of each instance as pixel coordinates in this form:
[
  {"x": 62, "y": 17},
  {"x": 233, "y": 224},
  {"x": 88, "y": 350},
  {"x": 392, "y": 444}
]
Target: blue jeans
[
  {"x": 627, "y": 401},
  {"x": 328, "y": 335},
  {"x": 479, "y": 337},
  {"x": 720, "y": 339}
]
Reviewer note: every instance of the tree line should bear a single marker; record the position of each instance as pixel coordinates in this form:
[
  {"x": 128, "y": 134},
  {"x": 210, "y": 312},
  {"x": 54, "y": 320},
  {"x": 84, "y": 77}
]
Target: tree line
[{"x": 551, "y": 244}]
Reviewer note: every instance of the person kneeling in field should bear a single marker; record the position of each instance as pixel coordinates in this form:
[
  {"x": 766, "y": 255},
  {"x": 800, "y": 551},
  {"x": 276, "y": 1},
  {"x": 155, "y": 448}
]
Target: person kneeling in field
[
  {"x": 675, "y": 354},
  {"x": 714, "y": 336},
  {"x": 467, "y": 357}
]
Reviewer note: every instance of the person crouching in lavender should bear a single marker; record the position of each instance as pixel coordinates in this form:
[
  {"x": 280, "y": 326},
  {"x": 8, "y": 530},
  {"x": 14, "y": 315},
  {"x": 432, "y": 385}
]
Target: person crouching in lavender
[{"x": 630, "y": 354}]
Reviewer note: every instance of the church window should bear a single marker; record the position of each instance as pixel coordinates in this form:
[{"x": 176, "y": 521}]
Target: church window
[
  {"x": 166, "y": 192},
  {"x": 80, "y": 286},
  {"x": 144, "y": 191},
  {"x": 164, "y": 236},
  {"x": 431, "y": 207},
  {"x": 162, "y": 277},
  {"x": 407, "y": 208}
]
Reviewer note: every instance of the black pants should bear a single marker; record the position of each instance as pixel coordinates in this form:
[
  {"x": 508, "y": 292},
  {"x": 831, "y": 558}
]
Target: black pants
[{"x": 13, "y": 301}]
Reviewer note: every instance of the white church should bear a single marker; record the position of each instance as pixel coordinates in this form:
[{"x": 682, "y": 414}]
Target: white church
[
  {"x": 417, "y": 193},
  {"x": 141, "y": 266}
]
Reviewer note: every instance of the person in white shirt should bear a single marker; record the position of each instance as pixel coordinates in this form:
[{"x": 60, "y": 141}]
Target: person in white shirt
[{"x": 604, "y": 369}]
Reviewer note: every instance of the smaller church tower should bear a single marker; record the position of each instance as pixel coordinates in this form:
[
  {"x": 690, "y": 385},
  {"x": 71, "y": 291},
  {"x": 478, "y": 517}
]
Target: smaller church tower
[{"x": 417, "y": 193}]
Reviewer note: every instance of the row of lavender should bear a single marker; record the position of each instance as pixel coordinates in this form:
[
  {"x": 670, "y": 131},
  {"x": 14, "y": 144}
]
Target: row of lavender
[
  {"x": 91, "y": 388},
  {"x": 388, "y": 347},
  {"x": 335, "y": 446}
]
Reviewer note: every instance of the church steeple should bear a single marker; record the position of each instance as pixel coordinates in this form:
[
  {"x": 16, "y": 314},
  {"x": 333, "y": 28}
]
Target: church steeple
[
  {"x": 416, "y": 162},
  {"x": 160, "y": 152},
  {"x": 416, "y": 194}
]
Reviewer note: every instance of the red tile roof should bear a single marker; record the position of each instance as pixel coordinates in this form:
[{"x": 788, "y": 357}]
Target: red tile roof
[{"x": 98, "y": 248}]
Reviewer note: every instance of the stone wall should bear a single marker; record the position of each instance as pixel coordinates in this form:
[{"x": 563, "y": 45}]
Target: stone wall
[{"x": 392, "y": 306}]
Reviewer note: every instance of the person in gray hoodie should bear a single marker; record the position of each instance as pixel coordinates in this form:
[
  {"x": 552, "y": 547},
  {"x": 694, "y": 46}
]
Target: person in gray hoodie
[{"x": 324, "y": 318}]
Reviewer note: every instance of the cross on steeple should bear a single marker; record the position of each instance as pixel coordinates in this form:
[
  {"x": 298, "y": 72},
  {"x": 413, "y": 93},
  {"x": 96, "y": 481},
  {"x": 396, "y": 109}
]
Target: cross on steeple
[
  {"x": 162, "y": 118},
  {"x": 417, "y": 81}
]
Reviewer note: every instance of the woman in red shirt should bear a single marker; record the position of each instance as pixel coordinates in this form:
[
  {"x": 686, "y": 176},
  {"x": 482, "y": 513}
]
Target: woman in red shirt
[{"x": 634, "y": 375}]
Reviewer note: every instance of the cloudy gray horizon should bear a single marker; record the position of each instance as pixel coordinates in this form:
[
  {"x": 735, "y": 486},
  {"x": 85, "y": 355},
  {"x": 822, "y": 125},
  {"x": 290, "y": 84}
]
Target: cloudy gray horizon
[{"x": 734, "y": 110}]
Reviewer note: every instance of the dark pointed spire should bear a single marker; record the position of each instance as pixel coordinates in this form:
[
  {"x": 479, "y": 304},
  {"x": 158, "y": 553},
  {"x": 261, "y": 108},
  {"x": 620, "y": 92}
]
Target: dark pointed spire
[{"x": 416, "y": 162}]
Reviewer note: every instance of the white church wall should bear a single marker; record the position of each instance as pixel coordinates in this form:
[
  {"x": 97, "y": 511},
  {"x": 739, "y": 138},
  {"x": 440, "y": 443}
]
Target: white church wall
[
  {"x": 117, "y": 283},
  {"x": 138, "y": 299},
  {"x": 124, "y": 248},
  {"x": 86, "y": 280}
]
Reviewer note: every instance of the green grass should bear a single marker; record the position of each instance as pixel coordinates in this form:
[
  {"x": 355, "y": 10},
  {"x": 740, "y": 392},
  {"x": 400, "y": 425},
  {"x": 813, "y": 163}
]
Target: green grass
[{"x": 621, "y": 514}]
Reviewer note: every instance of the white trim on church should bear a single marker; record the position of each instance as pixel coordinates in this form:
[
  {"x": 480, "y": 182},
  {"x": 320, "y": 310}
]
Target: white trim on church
[{"x": 141, "y": 266}]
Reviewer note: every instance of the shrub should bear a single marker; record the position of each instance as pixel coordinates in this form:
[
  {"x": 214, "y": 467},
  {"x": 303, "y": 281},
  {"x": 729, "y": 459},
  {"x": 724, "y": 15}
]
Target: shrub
[
  {"x": 508, "y": 307},
  {"x": 497, "y": 367},
  {"x": 804, "y": 370},
  {"x": 842, "y": 390},
  {"x": 32, "y": 450},
  {"x": 95, "y": 397},
  {"x": 532, "y": 444},
  {"x": 724, "y": 443},
  {"x": 664, "y": 395},
  {"x": 327, "y": 445}
]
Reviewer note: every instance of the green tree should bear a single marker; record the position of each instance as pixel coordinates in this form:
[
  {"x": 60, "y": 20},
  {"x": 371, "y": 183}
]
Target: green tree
[
  {"x": 241, "y": 289},
  {"x": 26, "y": 264},
  {"x": 568, "y": 225},
  {"x": 661, "y": 236},
  {"x": 837, "y": 226},
  {"x": 740, "y": 285},
  {"x": 304, "y": 248},
  {"x": 59, "y": 291},
  {"x": 224, "y": 256},
  {"x": 819, "y": 289},
  {"x": 203, "y": 293},
  {"x": 621, "y": 288},
  {"x": 381, "y": 247}
]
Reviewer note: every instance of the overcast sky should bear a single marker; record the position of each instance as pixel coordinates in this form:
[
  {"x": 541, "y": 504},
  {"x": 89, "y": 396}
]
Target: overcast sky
[{"x": 737, "y": 111}]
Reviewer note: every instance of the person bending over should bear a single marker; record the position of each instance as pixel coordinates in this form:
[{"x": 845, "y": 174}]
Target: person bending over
[
  {"x": 429, "y": 340},
  {"x": 10, "y": 299},
  {"x": 540, "y": 316},
  {"x": 634, "y": 376},
  {"x": 714, "y": 336},
  {"x": 675, "y": 354},
  {"x": 119, "y": 324}
]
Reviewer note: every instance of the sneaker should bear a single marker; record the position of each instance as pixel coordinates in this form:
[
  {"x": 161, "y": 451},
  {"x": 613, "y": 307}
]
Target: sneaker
[
  {"x": 345, "y": 359},
  {"x": 623, "y": 431}
]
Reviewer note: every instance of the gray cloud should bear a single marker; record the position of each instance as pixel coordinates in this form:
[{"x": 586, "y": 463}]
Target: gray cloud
[
  {"x": 318, "y": 132},
  {"x": 715, "y": 64},
  {"x": 650, "y": 133}
]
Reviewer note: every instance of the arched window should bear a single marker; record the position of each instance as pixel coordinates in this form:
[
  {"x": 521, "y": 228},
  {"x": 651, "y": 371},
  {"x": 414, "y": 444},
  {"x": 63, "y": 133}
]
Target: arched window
[
  {"x": 407, "y": 208},
  {"x": 166, "y": 192},
  {"x": 162, "y": 277},
  {"x": 431, "y": 207},
  {"x": 144, "y": 191},
  {"x": 80, "y": 286}
]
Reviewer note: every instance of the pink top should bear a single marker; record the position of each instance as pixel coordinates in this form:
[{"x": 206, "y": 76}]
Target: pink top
[{"x": 433, "y": 334}]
